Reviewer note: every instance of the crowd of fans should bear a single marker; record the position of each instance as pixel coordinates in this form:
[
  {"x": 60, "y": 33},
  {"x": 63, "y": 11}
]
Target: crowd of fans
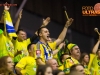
[{"x": 43, "y": 55}]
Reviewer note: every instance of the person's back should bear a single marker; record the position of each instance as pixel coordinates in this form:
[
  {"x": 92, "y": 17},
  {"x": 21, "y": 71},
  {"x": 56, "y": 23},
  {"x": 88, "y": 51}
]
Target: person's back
[{"x": 27, "y": 65}]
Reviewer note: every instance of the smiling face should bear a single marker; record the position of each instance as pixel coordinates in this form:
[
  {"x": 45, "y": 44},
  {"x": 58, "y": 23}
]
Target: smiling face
[
  {"x": 44, "y": 34},
  {"x": 22, "y": 35}
]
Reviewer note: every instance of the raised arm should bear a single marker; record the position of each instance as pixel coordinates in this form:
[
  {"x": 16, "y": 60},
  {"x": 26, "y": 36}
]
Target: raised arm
[
  {"x": 59, "y": 48},
  {"x": 6, "y": 8},
  {"x": 95, "y": 48},
  {"x": 18, "y": 20},
  {"x": 45, "y": 23},
  {"x": 2, "y": 17},
  {"x": 64, "y": 31}
]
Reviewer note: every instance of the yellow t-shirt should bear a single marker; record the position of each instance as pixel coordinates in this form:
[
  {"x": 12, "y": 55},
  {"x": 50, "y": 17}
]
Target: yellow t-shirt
[
  {"x": 20, "y": 46},
  {"x": 45, "y": 51},
  {"x": 95, "y": 67},
  {"x": 68, "y": 63},
  {"x": 61, "y": 67},
  {"x": 27, "y": 65},
  {"x": 6, "y": 46},
  {"x": 87, "y": 72}
]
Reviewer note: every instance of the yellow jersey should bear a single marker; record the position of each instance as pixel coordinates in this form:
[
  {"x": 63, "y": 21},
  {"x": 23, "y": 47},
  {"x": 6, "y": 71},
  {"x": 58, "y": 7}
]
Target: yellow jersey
[
  {"x": 87, "y": 72},
  {"x": 6, "y": 46},
  {"x": 61, "y": 67},
  {"x": 27, "y": 65},
  {"x": 45, "y": 51},
  {"x": 95, "y": 67},
  {"x": 20, "y": 46},
  {"x": 68, "y": 63}
]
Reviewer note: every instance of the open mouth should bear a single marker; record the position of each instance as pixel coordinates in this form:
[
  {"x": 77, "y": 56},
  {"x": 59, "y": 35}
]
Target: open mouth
[{"x": 48, "y": 36}]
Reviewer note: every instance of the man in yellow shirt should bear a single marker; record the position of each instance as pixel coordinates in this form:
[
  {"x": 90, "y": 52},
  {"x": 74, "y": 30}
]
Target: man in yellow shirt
[
  {"x": 73, "y": 59},
  {"x": 44, "y": 49},
  {"x": 6, "y": 45},
  {"x": 95, "y": 62},
  {"x": 20, "y": 45},
  {"x": 21, "y": 42},
  {"x": 27, "y": 65}
]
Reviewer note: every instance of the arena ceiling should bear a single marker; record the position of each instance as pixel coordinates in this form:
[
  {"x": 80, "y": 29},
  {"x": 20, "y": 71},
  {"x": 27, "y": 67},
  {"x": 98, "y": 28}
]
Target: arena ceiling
[{"x": 54, "y": 9}]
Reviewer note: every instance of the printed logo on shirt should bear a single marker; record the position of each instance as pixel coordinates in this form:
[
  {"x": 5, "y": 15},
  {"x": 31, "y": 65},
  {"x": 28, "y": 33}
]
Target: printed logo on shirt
[{"x": 38, "y": 53}]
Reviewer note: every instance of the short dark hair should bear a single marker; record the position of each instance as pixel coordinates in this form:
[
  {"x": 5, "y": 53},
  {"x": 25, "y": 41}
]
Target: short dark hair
[
  {"x": 39, "y": 30},
  {"x": 17, "y": 32},
  {"x": 29, "y": 46},
  {"x": 73, "y": 68},
  {"x": 62, "y": 56}
]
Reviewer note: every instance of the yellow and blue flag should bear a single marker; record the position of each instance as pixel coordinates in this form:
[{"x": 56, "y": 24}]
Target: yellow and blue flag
[{"x": 9, "y": 25}]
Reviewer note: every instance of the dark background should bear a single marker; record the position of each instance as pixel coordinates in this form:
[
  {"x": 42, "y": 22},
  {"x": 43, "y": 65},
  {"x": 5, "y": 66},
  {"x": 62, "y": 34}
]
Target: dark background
[{"x": 80, "y": 32}]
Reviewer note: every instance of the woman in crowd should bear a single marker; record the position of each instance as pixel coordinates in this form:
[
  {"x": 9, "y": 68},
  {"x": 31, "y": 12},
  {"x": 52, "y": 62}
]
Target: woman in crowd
[
  {"x": 6, "y": 66},
  {"x": 58, "y": 72},
  {"x": 44, "y": 70},
  {"x": 85, "y": 61}
]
